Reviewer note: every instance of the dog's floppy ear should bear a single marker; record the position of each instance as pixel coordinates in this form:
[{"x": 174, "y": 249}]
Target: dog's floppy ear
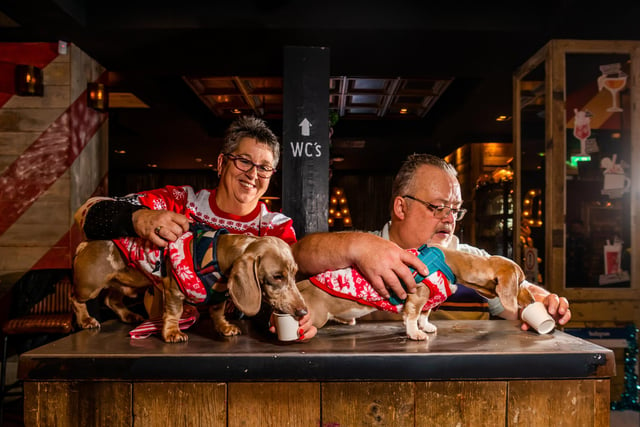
[{"x": 244, "y": 284}]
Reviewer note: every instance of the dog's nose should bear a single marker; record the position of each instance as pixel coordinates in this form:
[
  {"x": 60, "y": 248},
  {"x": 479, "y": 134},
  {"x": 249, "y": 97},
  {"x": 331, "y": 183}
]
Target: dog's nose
[{"x": 301, "y": 312}]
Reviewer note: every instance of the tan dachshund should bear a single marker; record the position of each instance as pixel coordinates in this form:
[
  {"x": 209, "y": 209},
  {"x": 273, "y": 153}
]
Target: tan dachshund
[
  {"x": 256, "y": 268},
  {"x": 489, "y": 276}
]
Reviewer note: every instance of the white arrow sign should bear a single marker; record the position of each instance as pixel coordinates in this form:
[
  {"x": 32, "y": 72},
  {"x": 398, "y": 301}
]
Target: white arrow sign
[{"x": 305, "y": 125}]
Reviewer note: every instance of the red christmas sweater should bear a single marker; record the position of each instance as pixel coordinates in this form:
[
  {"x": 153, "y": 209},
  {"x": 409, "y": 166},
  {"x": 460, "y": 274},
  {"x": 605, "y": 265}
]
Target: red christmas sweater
[
  {"x": 349, "y": 283},
  {"x": 201, "y": 207}
]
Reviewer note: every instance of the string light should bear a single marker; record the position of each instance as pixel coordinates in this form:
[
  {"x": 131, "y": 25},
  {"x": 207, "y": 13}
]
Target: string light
[
  {"x": 338, "y": 208},
  {"x": 532, "y": 200}
]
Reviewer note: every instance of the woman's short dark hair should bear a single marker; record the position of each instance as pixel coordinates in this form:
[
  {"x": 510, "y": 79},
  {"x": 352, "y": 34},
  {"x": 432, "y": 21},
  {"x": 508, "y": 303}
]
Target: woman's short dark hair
[{"x": 251, "y": 127}]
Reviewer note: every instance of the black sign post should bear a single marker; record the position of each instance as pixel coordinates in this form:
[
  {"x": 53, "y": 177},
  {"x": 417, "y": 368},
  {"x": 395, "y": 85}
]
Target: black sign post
[{"x": 305, "y": 130}]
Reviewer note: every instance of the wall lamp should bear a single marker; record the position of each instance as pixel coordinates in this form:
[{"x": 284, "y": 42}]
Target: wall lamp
[
  {"x": 29, "y": 81},
  {"x": 97, "y": 96}
]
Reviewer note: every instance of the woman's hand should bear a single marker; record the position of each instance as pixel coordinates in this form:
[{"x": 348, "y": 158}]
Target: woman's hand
[
  {"x": 306, "y": 330},
  {"x": 159, "y": 226}
]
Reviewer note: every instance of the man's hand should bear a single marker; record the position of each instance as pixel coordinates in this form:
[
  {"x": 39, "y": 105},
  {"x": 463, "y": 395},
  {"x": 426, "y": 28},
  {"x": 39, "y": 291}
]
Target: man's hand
[
  {"x": 383, "y": 263},
  {"x": 386, "y": 266},
  {"x": 159, "y": 226},
  {"x": 557, "y": 307}
]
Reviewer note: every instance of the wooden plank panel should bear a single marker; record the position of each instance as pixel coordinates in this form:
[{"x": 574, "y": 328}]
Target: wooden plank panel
[
  {"x": 367, "y": 403},
  {"x": 555, "y": 141},
  {"x": 57, "y": 72},
  {"x": 273, "y": 404},
  {"x": 37, "y": 234},
  {"x": 602, "y": 405},
  {"x": 84, "y": 69},
  {"x": 20, "y": 259},
  {"x": 53, "y": 97},
  {"x": 605, "y": 311},
  {"x": 90, "y": 168},
  {"x": 14, "y": 143},
  {"x": 635, "y": 160},
  {"x": 468, "y": 403},
  {"x": 28, "y": 120},
  {"x": 179, "y": 404},
  {"x": 67, "y": 404},
  {"x": 556, "y": 403},
  {"x": 52, "y": 212}
]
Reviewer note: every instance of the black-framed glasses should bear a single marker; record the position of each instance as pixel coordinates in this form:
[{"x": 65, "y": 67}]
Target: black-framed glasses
[
  {"x": 245, "y": 165},
  {"x": 441, "y": 211}
]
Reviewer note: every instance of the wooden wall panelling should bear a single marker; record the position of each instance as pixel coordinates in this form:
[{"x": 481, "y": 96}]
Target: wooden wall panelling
[
  {"x": 604, "y": 311},
  {"x": 398, "y": 404},
  {"x": 567, "y": 403},
  {"x": 40, "y": 224},
  {"x": 368, "y": 198},
  {"x": 12, "y": 144},
  {"x": 273, "y": 404},
  {"x": 65, "y": 404},
  {"x": 38, "y": 137},
  {"x": 461, "y": 403},
  {"x": 367, "y": 403},
  {"x": 197, "y": 404}
]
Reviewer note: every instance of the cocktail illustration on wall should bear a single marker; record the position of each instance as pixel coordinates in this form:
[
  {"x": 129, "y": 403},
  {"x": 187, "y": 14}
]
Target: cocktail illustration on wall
[
  {"x": 614, "y": 80},
  {"x": 582, "y": 129}
]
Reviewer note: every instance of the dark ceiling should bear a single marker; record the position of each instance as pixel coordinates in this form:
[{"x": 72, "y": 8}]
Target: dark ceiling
[{"x": 153, "y": 48}]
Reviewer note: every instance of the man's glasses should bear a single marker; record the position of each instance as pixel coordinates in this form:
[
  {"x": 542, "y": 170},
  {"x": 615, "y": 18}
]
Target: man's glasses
[
  {"x": 441, "y": 211},
  {"x": 245, "y": 165}
]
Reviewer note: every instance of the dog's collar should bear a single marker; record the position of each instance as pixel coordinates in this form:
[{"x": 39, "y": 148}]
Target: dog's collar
[{"x": 210, "y": 273}]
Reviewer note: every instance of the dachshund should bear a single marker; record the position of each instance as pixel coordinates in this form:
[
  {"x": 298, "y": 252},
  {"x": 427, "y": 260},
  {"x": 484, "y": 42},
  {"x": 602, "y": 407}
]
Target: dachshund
[
  {"x": 339, "y": 295},
  {"x": 254, "y": 268}
]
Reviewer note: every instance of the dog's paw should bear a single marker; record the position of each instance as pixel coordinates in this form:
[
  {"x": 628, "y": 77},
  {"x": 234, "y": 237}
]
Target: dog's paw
[
  {"x": 89, "y": 323},
  {"x": 414, "y": 333},
  {"x": 427, "y": 326},
  {"x": 175, "y": 336},
  {"x": 132, "y": 318},
  {"x": 229, "y": 330},
  {"x": 417, "y": 335}
]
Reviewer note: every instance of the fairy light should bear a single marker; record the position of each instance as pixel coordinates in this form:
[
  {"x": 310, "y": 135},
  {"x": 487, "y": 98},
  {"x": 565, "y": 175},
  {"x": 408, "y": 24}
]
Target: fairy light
[
  {"x": 532, "y": 200},
  {"x": 338, "y": 208}
]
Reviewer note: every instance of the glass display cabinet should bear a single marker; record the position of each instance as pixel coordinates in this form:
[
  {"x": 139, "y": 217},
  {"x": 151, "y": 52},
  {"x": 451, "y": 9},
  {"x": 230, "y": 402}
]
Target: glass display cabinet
[
  {"x": 577, "y": 136},
  {"x": 493, "y": 213}
]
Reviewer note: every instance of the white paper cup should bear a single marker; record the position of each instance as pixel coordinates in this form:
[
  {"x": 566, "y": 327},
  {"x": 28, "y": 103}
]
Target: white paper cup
[
  {"x": 287, "y": 327},
  {"x": 538, "y": 318}
]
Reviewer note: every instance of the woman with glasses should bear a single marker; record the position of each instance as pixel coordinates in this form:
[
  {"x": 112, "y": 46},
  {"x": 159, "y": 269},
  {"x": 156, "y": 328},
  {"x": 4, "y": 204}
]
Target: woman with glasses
[{"x": 245, "y": 165}]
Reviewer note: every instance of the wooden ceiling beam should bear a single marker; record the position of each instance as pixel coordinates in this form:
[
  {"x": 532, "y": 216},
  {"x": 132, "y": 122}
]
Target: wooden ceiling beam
[{"x": 248, "y": 98}]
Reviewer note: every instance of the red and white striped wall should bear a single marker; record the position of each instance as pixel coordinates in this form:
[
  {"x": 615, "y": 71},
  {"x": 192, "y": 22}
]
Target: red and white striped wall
[{"x": 53, "y": 156}]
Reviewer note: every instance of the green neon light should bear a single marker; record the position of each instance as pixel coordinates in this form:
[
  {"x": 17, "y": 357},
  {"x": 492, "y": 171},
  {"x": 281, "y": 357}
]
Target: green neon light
[{"x": 575, "y": 159}]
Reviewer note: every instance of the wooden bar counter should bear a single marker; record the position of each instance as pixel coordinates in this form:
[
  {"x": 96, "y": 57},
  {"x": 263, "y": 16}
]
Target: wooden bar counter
[{"x": 470, "y": 373}]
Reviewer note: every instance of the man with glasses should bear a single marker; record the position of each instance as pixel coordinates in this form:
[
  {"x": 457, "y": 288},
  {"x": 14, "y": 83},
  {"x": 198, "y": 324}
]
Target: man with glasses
[{"x": 426, "y": 202}]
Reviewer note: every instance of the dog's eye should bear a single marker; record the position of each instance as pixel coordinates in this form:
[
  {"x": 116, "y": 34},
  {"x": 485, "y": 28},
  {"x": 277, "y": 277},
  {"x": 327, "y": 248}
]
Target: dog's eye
[{"x": 278, "y": 277}]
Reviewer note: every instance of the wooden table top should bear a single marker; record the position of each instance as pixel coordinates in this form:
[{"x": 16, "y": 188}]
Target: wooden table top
[{"x": 368, "y": 351}]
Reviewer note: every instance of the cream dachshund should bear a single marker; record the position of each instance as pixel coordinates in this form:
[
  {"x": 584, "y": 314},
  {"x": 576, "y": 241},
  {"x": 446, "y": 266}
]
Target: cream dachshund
[
  {"x": 342, "y": 295},
  {"x": 254, "y": 268}
]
